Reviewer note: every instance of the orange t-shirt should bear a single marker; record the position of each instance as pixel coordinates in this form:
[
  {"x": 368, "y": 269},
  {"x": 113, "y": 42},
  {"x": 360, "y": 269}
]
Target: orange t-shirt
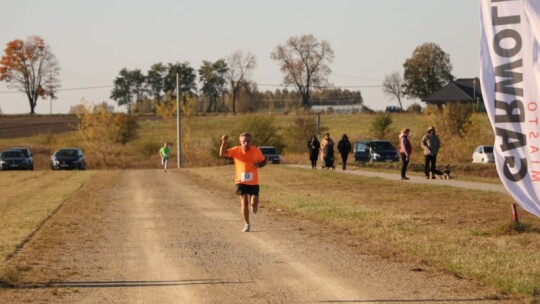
[{"x": 246, "y": 172}]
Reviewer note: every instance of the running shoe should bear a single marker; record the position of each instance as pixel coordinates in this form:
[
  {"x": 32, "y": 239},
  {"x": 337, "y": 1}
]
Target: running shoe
[
  {"x": 246, "y": 228},
  {"x": 254, "y": 208}
]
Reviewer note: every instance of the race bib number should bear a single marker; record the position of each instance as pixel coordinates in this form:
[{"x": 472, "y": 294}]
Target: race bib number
[{"x": 246, "y": 177}]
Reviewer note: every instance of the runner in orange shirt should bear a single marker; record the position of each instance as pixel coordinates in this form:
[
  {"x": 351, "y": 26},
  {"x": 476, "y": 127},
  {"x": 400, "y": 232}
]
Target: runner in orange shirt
[{"x": 247, "y": 160}]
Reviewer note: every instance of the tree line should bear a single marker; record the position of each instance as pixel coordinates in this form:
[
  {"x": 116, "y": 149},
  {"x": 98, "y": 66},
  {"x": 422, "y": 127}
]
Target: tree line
[{"x": 225, "y": 85}]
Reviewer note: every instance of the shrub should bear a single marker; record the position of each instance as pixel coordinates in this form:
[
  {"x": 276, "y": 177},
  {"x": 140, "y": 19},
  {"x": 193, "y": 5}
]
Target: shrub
[
  {"x": 415, "y": 108},
  {"x": 458, "y": 129},
  {"x": 380, "y": 127},
  {"x": 297, "y": 136},
  {"x": 263, "y": 132},
  {"x": 263, "y": 129},
  {"x": 102, "y": 135}
]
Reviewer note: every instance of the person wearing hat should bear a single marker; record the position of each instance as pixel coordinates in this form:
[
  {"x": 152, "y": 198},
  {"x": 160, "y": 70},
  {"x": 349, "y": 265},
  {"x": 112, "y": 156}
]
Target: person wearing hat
[{"x": 431, "y": 145}]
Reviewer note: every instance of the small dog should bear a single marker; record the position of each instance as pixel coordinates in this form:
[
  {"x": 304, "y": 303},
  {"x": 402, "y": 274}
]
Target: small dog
[{"x": 441, "y": 174}]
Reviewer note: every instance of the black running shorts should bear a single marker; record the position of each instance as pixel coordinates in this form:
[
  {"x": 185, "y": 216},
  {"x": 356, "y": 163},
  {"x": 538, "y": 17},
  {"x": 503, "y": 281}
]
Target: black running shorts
[{"x": 242, "y": 189}]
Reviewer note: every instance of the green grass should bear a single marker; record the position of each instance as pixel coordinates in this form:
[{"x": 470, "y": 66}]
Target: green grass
[{"x": 462, "y": 232}]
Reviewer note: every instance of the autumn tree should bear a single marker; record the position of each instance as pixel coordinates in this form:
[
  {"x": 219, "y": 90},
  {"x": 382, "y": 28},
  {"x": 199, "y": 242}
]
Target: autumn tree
[
  {"x": 240, "y": 67},
  {"x": 304, "y": 62},
  {"x": 426, "y": 71},
  {"x": 393, "y": 87},
  {"x": 30, "y": 67},
  {"x": 212, "y": 76},
  {"x": 129, "y": 86},
  {"x": 103, "y": 134}
]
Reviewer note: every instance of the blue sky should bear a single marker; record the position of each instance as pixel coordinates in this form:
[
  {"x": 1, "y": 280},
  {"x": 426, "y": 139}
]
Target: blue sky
[{"x": 94, "y": 40}]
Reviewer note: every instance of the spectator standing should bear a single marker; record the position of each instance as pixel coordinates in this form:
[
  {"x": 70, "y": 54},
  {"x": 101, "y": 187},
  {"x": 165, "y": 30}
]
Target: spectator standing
[
  {"x": 313, "y": 147},
  {"x": 405, "y": 150},
  {"x": 327, "y": 149},
  {"x": 344, "y": 148},
  {"x": 431, "y": 145}
]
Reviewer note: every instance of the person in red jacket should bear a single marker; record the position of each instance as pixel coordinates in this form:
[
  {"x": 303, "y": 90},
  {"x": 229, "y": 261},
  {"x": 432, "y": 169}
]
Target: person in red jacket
[{"x": 405, "y": 151}]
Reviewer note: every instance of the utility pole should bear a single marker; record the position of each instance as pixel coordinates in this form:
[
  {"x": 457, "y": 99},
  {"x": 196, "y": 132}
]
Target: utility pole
[
  {"x": 50, "y": 96},
  {"x": 178, "y": 124},
  {"x": 318, "y": 122}
]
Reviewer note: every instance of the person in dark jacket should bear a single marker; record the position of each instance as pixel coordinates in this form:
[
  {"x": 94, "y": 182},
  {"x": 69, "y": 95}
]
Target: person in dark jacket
[
  {"x": 431, "y": 145},
  {"x": 313, "y": 147},
  {"x": 344, "y": 147}
]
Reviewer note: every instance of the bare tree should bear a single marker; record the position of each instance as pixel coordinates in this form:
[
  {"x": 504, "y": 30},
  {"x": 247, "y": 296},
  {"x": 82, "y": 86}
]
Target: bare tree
[
  {"x": 393, "y": 86},
  {"x": 240, "y": 67},
  {"x": 30, "y": 67},
  {"x": 304, "y": 61}
]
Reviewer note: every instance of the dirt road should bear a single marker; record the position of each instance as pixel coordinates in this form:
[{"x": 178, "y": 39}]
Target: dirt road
[{"x": 155, "y": 237}]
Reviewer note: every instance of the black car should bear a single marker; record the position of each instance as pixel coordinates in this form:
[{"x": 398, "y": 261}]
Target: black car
[
  {"x": 14, "y": 160},
  {"x": 393, "y": 109},
  {"x": 27, "y": 154},
  {"x": 375, "y": 151},
  {"x": 271, "y": 154},
  {"x": 68, "y": 158}
]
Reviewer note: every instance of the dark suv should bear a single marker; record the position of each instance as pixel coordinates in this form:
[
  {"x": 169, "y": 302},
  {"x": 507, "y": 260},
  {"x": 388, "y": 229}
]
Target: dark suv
[
  {"x": 375, "y": 151},
  {"x": 271, "y": 154}
]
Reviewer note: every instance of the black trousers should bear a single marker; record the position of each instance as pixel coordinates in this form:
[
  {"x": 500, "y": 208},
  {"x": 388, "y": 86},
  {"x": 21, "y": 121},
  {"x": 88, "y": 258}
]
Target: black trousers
[
  {"x": 404, "y": 164},
  {"x": 430, "y": 164},
  {"x": 344, "y": 161}
]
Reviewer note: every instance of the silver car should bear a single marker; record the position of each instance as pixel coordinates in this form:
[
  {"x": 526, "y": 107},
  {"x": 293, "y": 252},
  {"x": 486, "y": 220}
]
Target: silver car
[{"x": 483, "y": 155}]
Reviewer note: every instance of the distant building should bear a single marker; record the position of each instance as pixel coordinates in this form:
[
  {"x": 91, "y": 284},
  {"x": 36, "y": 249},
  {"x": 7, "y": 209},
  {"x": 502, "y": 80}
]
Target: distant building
[
  {"x": 343, "y": 109},
  {"x": 463, "y": 90},
  {"x": 346, "y": 105}
]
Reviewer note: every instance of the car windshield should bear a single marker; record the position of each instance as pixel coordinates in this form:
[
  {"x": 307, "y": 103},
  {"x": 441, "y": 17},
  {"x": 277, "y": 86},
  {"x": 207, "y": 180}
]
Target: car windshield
[
  {"x": 24, "y": 151},
  {"x": 268, "y": 151},
  {"x": 12, "y": 154},
  {"x": 64, "y": 153},
  {"x": 488, "y": 149},
  {"x": 382, "y": 145}
]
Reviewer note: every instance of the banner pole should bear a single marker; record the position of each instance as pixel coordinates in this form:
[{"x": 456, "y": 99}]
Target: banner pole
[{"x": 515, "y": 213}]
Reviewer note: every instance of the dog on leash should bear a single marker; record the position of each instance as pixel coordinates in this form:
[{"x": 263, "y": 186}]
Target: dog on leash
[{"x": 441, "y": 174}]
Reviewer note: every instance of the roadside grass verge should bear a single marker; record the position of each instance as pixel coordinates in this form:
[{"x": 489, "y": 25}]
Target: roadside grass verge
[
  {"x": 464, "y": 232},
  {"x": 28, "y": 199}
]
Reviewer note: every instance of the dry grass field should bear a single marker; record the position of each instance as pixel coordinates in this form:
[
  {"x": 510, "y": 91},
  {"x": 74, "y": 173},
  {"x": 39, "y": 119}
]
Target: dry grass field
[{"x": 466, "y": 233}]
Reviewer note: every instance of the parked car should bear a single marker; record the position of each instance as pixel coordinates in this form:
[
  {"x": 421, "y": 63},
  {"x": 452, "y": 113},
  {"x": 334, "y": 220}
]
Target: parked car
[
  {"x": 375, "y": 151},
  {"x": 68, "y": 158},
  {"x": 393, "y": 109},
  {"x": 271, "y": 154},
  {"x": 13, "y": 160},
  {"x": 26, "y": 153},
  {"x": 483, "y": 154}
]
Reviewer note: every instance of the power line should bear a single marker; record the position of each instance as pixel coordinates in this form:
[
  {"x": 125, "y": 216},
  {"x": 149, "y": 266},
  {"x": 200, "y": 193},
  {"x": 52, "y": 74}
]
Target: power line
[
  {"x": 259, "y": 84},
  {"x": 64, "y": 90}
]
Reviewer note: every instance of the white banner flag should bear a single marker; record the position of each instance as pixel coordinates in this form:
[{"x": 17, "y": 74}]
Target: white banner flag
[{"x": 510, "y": 77}]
